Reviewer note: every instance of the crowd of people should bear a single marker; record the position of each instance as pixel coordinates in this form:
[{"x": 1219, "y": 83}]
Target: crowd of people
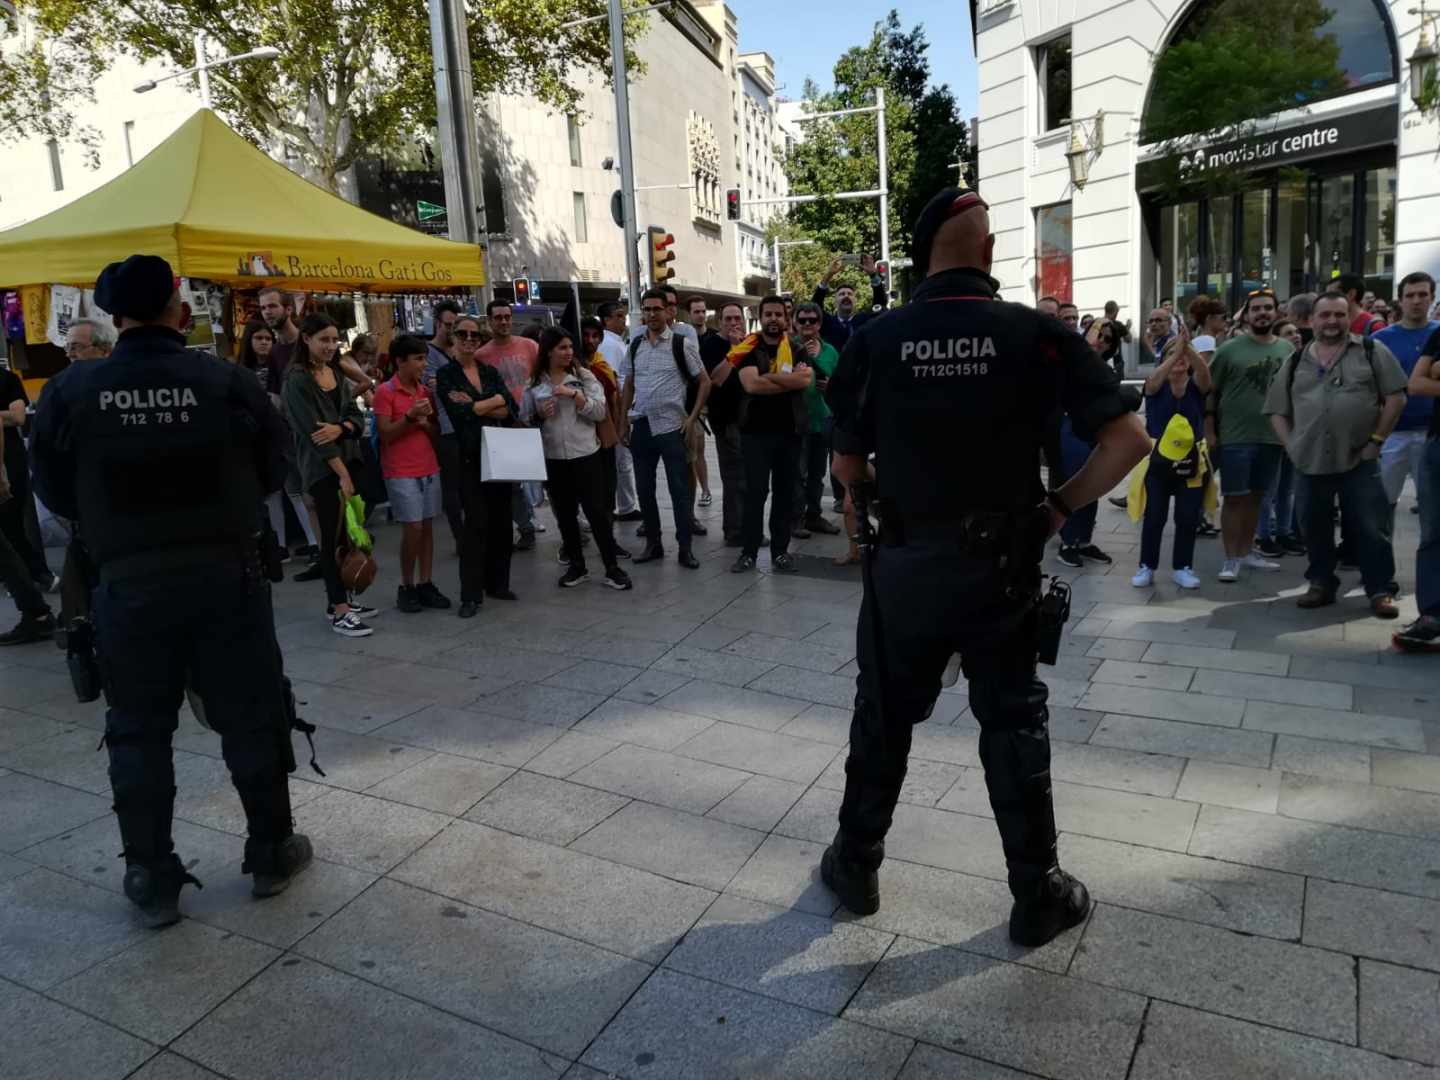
[
  {"x": 1301, "y": 419},
  {"x": 1291, "y": 419},
  {"x": 610, "y": 411}
]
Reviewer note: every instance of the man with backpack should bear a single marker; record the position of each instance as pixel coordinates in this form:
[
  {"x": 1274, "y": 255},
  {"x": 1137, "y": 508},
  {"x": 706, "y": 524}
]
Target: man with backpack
[
  {"x": 659, "y": 368},
  {"x": 1333, "y": 405}
]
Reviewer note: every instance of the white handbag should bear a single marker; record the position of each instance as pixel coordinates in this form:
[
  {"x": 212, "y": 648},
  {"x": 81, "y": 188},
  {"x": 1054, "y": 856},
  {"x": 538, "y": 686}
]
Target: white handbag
[{"x": 511, "y": 454}]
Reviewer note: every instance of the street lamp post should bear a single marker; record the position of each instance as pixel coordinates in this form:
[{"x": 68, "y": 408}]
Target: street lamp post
[
  {"x": 203, "y": 67},
  {"x": 1424, "y": 91}
]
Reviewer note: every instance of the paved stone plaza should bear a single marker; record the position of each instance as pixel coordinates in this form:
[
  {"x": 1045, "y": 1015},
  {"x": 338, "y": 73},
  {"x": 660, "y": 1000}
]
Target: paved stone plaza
[{"x": 578, "y": 837}]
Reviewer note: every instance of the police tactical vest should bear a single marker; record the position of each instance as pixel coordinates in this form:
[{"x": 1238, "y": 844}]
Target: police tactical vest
[{"x": 165, "y": 455}]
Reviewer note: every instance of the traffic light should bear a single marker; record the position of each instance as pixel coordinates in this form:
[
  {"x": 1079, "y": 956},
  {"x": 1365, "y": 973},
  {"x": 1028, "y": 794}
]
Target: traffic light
[
  {"x": 522, "y": 291},
  {"x": 662, "y": 254},
  {"x": 732, "y": 204}
]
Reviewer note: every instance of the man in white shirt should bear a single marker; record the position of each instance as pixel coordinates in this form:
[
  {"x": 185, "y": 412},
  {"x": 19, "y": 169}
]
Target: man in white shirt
[
  {"x": 658, "y": 369},
  {"x": 613, "y": 314}
]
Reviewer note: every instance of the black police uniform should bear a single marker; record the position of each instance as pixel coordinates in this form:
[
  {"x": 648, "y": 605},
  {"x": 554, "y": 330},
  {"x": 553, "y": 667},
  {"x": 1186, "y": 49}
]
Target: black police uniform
[
  {"x": 162, "y": 456},
  {"x": 953, "y": 394}
]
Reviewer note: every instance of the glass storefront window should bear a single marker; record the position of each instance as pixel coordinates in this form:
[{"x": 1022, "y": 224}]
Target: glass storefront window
[
  {"x": 1257, "y": 261},
  {"x": 1334, "y": 203},
  {"x": 1053, "y": 270},
  {"x": 1292, "y": 239},
  {"x": 1378, "y": 260},
  {"x": 1220, "y": 235},
  {"x": 1180, "y": 252}
]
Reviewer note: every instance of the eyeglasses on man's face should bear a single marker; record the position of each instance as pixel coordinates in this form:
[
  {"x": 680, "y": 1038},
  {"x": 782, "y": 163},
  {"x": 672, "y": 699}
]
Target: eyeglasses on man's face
[
  {"x": 653, "y": 309},
  {"x": 807, "y": 320}
]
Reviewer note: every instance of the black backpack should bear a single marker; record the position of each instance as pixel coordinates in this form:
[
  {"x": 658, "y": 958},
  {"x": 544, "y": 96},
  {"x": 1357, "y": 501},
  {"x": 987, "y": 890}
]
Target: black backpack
[{"x": 677, "y": 347}]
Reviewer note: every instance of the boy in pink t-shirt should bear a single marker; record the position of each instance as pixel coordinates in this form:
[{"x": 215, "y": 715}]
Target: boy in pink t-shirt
[{"x": 405, "y": 417}]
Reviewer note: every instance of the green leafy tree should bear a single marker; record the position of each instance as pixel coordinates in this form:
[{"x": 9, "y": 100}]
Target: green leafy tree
[
  {"x": 926, "y": 136},
  {"x": 803, "y": 265},
  {"x": 354, "y": 77},
  {"x": 1223, "y": 74}
]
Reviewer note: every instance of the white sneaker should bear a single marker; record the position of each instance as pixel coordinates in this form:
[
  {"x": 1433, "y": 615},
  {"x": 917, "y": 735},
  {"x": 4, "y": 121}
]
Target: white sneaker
[
  {"x": 1185, "y": 578},
  {"x": 348, "y": 625},
  {"x": 1229, "y": 571},
  {"x": 1144, "y": 578},
  {"x": 1255, "y": 561}
]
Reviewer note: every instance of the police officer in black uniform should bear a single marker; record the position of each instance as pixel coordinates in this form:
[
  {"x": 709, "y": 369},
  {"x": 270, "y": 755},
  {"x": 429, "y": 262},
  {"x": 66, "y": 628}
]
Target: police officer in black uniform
[
  {"x": 953, "y": 394},
  {"x": 162, "y": 455}
]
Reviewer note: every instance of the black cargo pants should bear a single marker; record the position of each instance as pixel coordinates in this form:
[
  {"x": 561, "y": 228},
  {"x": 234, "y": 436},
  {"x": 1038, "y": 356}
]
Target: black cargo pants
[
  {"x": 209, "y": 626},
  {"x": 934, "y": 601}
]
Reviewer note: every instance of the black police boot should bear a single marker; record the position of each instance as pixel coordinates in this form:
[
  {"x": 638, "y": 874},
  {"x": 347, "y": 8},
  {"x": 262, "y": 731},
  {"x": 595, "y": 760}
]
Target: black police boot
[
  {"x": 272, "y": 865},
  {"x": 851, "y": 871},
  {"x": 154, "y": 887},
  {"x": 1047, "y": 908}
]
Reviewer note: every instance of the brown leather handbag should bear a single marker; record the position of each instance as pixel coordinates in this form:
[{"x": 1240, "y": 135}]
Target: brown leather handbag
[{"x": 357, "y": 569}]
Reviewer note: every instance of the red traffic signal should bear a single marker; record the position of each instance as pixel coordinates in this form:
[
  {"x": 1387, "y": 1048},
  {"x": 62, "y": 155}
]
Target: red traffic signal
[
  {"x": 732, "y": 204},
  {"x": 882, "y": 268},
  {"x": 522, "y": 291},
  {"x": 661, "y": 255}
]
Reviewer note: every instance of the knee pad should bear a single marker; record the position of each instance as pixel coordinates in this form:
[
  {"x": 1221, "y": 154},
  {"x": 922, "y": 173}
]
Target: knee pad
[{"x": 1007, "y": 708}]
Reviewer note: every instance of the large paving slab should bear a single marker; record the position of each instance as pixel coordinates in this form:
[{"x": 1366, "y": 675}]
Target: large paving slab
[
  {"x": 658, "y": 777},
  {"x": 41, "y": 1039},
  {"x": 781, "y": 953},
  {"x": 629, "y": 911},
  {"x": 1186, "y": 1044},
  {"x": 1368, "y": 922},
  {"x": 1003, "y": 1012},
  {"x": 1400, "y": 1011},
  {"x": 683, "y": 1028},
  {"x": 355, "y": 1028},
  {"x": 1399, "y": 863},
  {"x": 1284, "y": 985},
  {"x": 698, "y": 850},
  {"x": 56, "y": 927},
  {"x": 165, "y": 982},
  {"x": 537, "y": 986}
]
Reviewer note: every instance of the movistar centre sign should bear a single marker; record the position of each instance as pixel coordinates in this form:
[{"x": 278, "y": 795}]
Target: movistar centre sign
[{"x": 1290, "y": 145}]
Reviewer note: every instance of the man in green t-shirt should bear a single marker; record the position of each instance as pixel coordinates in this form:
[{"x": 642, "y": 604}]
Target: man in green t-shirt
[
  {"x": 1239, "y": 433},
  {"x": 815, "y": 447}
]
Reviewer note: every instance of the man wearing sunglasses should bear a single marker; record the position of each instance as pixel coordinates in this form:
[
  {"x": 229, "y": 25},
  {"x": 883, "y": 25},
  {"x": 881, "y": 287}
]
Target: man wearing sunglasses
[{"x": 815, "y": 446}]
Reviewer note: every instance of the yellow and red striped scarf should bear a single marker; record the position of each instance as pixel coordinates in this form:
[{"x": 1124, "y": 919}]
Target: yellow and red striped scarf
[{"x": 782, "y": 361}]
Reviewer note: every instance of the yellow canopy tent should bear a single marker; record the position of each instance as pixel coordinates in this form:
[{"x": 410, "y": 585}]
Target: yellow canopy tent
[{"x": 216, "y": 207}]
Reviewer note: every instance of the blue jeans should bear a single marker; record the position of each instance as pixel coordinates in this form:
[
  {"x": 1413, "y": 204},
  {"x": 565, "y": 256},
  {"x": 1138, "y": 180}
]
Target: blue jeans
[
  {"x": 648, "y": 451},
  {"x": 1427, "y": 558},
  {"x": 1366, "y": 511},
  {"x": 1277, "y": 509},
  {"x": 1079, "y": 528},
  {"x": 1161, "y": 484}
]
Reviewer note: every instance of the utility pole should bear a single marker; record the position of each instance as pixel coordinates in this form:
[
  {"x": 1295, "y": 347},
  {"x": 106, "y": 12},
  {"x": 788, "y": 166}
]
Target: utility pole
[
  {"x": 459, "y": 138},
  {"x": 881, "y": 192},
  {"x": 884, "y": 187},
  {"x": 629, "y": 228}
]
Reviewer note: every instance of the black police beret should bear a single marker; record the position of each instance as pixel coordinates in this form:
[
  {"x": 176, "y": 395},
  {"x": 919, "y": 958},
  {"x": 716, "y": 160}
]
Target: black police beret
[
  {"x": 138, "y": 288},
  {"x": 946, "y": 204}
]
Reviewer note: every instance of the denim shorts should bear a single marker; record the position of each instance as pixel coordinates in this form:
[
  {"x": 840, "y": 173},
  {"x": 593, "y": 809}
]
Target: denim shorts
[
  {"x": 1248, "y": 468},
  {"x": 413, "y": 498}
]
